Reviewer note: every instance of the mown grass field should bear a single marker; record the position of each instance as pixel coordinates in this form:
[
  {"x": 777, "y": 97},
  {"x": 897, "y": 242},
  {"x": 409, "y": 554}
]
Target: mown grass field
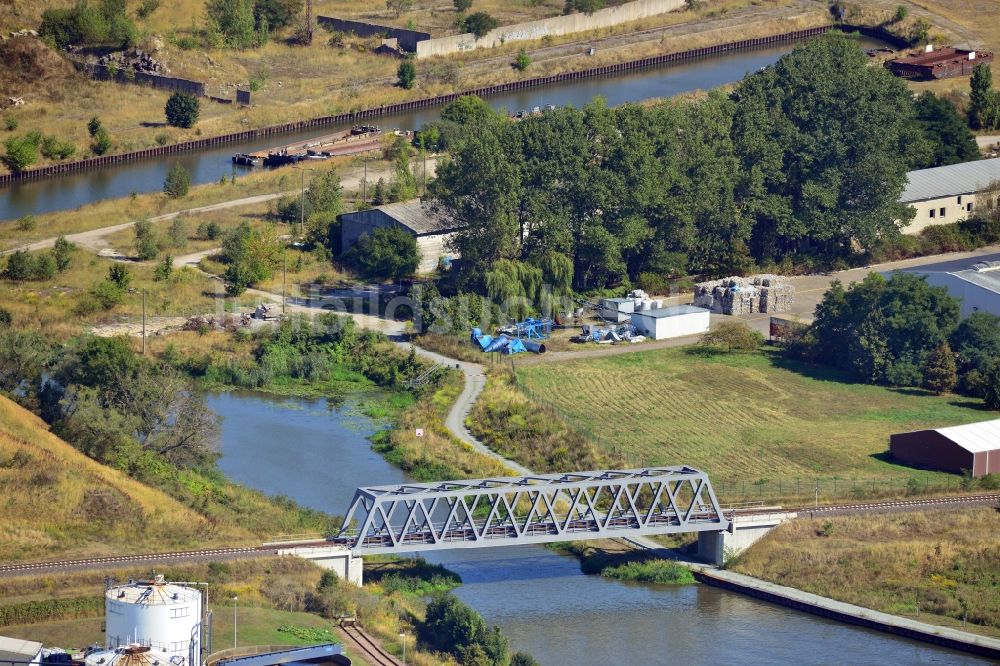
[
  {"x": 739, "y": 416},
  {"x": 938, "y": 566}
]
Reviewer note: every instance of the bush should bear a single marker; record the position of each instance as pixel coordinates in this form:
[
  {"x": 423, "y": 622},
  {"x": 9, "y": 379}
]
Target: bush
[
  {"x": 178, "y": 182},
  {"x": 10, "y": 123},
  {"x": 62, "y": 252},
  {"x": 463, "y": 5},
  {"x": 479, "y": 23},
  {"x": 406, "y": 75},
  {"x": 522, "y": 61},
  {"x": 734, "y": 336},
  {"x": 182, "y": 110},
  {"x": 120, "y": 276},
  {"x": 146, "y": 8},
  {"x": 54, "y": 149},
  {"x": 147, "y": 245},
  {"x": 664, "y": 572},
  {"x": 27, "y": 223},
  {"x": 387, "y": 252},
  {"x": 93, "y": 126},
  {"x": 164, "y": 269},
  {"x": 103, "y": 23},
  {"x": 107, "y": 295},
  {"x": 102, "y": 142},
  {"x": 20, "y": 266},
  {"x": 991, "y": 387},
  {"x": 22, "y": 152}
]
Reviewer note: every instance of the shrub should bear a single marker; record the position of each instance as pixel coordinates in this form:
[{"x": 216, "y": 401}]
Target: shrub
[
  {"x": 276, "y": 13},
  {"x": 164, "y": 269},
  {"x": 387, "y": 252},
  {"x": 146, "y": 8},
  {"x": 940, "y": 373},
  {"x": 901, "y": 13},
  {"x": 406, "y": 75},
  {"x": 178, "y": 233},
  {"x": 522, "y": 61},
  {"x": 147, "y": 245},
  {"x": 733, "y": 335},
  {"x": 102, "y": 142},
  {"x": 178, "y": 182},
  {"x": 120, "y": 276},
  {"x": 22, "y": 152},
  {"x": 62, "y": 252},
  {"x": 106, "y": 295},
  {"x": 991, "y": 387},
  {"x": 10, "y": 123},
  {"x": 463, "y": 5},
  {"x": 54, "y": 149},
  {"x": 5, "y": 317},
  {"x": 93, "y": 126},
  {"x": 664, "y": 572},
  {"x": 479, "y": 23},
  {"x": 27, "y": 223},
  {"x": 20, "y": 266},
  {"x": 182, "y": 110}
]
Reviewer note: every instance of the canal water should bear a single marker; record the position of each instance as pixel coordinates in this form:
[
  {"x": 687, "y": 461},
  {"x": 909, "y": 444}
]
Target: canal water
[
  {"x": 317, "y": 453},
  {"x": 80, "y": 188}
]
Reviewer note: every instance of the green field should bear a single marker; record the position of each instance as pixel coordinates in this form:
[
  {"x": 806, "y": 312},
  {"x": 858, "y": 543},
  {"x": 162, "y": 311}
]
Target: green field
[{"x": 740, "y": 416}]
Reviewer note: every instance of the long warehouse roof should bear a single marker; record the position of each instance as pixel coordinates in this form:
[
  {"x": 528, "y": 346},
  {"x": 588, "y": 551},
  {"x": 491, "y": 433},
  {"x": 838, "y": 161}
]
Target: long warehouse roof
[
  {"x": 975, "y": 437},
  {"x": 951, "y": 180}
]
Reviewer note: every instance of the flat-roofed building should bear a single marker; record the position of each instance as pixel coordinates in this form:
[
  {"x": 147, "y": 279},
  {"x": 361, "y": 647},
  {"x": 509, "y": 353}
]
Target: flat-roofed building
[
  {"x": 19, "y": 651},
  {"x": 947, "y": 194}
]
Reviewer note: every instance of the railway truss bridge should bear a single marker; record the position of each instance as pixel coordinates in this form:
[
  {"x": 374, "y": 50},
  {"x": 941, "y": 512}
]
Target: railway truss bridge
[{"x": 539, "y": 508}]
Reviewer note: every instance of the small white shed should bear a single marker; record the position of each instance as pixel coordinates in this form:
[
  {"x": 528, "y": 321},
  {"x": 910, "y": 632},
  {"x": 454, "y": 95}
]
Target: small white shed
[{"x": 672, "y": 322}]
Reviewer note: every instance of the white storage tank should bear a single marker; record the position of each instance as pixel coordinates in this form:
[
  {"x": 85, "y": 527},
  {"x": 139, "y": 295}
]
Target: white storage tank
[
  {"x": 132, "y": 655},
  {"x": 156, "y": 614}
]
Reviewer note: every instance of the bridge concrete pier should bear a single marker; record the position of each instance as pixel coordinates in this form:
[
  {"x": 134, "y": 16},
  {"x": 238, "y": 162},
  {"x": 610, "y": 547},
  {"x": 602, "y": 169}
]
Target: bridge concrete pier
[
  {"x": 745, "y": 530},
  {"x": 337, "y": 559}
]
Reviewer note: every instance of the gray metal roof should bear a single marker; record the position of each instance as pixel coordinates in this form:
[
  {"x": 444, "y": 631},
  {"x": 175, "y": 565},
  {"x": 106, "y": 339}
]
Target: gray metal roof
[
  {"x": 419, "y": 217},
  {"x": 311, "y": 653},
  {"x": 16, "y": 649},
  {"x": 987, "y": 279},
  {"x": 950, "y": 181},
  {"x": 659, "y": 313},
  {"x": 975, "y": 437}
]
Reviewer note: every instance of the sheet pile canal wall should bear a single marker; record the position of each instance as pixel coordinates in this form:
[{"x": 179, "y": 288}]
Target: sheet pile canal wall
[{"x": 351, "y": 117}]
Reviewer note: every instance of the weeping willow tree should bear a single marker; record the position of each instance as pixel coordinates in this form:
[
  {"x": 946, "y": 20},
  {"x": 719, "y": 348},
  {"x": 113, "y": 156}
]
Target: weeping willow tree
[
  {"x": 515, "y": 285},
  {"x": 522, "y": 287}
]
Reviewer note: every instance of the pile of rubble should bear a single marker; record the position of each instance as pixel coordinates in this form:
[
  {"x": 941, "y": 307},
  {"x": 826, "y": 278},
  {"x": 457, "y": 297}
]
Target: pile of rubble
[
  {"x": 738, "y": 295},
  {"x": 137, "y": 60}
]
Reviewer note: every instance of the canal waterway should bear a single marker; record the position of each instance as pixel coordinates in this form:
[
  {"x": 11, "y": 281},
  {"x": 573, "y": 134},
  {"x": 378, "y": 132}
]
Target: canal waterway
[
  {"x": 207, "y": 166},
  {"x": 316, "y": 453}
]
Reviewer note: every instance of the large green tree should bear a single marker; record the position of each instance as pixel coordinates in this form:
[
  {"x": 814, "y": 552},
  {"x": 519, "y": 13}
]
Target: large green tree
[
  {"x": 825, "y": 140},
  {"x": 387, "y": 253},
  {"x": 949, "y": 135},
  {"x": 883, "y": 330}
]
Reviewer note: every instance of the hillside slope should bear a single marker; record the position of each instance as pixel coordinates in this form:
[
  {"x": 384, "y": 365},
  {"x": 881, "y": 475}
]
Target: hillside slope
[{"x": 57, "y": 500}]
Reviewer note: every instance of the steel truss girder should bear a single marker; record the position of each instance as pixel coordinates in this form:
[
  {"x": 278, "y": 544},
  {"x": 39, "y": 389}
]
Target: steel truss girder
[{"x": 540, "y": 508}]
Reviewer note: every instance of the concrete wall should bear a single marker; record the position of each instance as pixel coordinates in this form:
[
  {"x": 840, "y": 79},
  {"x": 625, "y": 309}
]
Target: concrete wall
[
  {"x": 407, "y": 39},
  {"x": 432, "y": 248},
  {"x": 334, "y": 558},
  {"x": 716, "y": 547},
  {"x": 955, "y": 208},
  {"x": 557, "y": 25},
  {"x": 974, "y": 297}
]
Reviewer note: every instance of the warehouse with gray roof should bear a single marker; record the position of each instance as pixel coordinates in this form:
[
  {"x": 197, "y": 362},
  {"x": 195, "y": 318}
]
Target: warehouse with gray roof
[
  {"x": 947, "y": 194},
  {"x": 431, "y": 226},
  {"x": 973, "y": 448}
]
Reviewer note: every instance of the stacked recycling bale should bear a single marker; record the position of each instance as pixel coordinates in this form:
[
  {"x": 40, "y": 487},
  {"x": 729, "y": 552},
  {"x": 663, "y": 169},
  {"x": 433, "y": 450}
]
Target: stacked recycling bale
[{"x": 740, "y": 296}]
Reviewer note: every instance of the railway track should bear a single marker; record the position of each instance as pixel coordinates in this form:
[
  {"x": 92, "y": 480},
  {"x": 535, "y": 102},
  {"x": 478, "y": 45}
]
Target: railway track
[
  {"x": 125, "y": 560},
  {"x": 372, "y": 652},
  {"x": 28, "y": 568}
]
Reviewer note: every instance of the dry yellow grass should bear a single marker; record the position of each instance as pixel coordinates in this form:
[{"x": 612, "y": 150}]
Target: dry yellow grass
[
  {"x": 938, "y": 566},
  {"x": 52, "y": 494}
]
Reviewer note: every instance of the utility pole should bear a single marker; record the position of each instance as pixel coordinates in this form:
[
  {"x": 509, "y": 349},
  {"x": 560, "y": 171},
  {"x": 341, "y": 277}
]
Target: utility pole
[
  {"x": 302, "y": 203},
  {"x": 143, "y": 322},
  {"x": 234, "y": 621},
  {"x": 284, "y": 273},
  {"x": 364, "y": 181},
  {"x": 309, "y": 22}
]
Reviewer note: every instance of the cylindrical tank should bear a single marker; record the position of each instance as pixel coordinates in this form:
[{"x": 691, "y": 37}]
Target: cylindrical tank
[
  {"x": 534, "y": 346},
  {"x": 132, "y": 655},
  {"x": 154, "y": 613}
]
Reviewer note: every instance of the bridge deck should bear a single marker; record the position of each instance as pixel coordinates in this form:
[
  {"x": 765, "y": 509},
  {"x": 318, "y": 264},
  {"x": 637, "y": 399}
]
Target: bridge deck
[{"x": 539, "y": 508}]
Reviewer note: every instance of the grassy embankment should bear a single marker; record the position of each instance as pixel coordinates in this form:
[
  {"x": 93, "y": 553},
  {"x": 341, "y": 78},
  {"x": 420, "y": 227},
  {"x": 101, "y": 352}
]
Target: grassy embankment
[
  {"x": 303, "y": 82},
  {"x": 760, "y": 425},
  {"x": 281, "y": 602},
  {"x": 59, "y": 502},
  {"x": 935, "y": 566},
  {"x": 620, "y": 561}
]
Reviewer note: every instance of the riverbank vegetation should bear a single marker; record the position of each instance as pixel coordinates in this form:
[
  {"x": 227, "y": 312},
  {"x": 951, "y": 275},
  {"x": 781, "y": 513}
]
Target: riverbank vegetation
[
  {"x": 612, "y": 559},
  {"x": 935, "y": 566}
]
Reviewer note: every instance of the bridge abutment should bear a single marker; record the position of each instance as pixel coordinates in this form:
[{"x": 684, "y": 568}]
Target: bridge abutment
[
  {"x": 337, "y": 559},
  {"x": 717, "y": 547}
]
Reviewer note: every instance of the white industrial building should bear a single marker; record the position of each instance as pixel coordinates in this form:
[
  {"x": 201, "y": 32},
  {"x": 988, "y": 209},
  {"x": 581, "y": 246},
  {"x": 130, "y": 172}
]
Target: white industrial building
[
  {"x": 165, "y": 617},
  {"x": 430, "y": 226},
  {"x": 977, "y": 287},
  {"x": 947, "y": 194},
  {"x": 20, "y": 651},
  {"x": 672, "y": 322}
]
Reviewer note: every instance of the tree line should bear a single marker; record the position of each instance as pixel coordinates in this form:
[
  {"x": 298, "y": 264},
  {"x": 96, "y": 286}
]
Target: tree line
[
  {"x": 902, "y": 331},
  {"x": 802, "y": 164}
]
